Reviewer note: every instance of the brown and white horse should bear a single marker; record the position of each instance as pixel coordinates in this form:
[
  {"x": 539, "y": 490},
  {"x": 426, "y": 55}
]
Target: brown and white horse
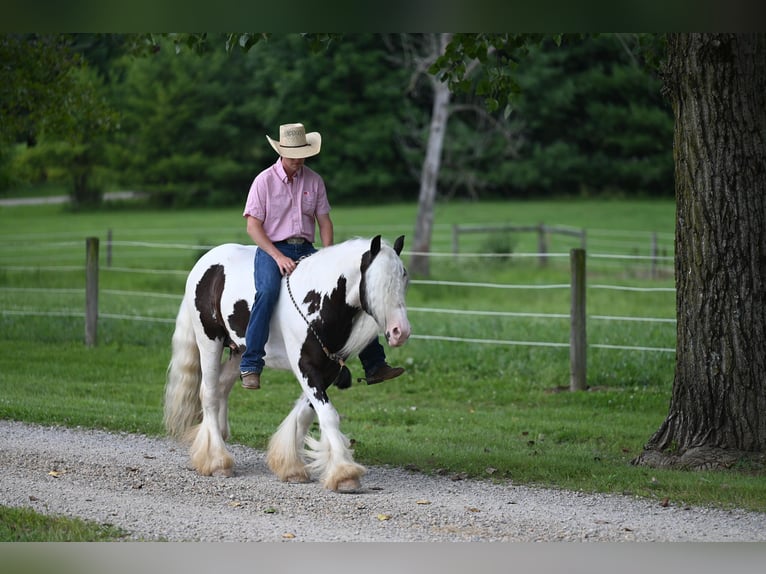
[{"x": 333, "y": 304}]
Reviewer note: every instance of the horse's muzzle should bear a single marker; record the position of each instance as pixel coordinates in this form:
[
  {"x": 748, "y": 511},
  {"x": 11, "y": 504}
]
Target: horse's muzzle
[{"x": 397, "y": 334}]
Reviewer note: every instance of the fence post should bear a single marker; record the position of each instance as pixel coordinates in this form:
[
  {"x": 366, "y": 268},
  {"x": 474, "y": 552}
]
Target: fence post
[
  {"x": 455, "y": 239},
  {"x": 577, "y": 335},
  {"x": 109, "y": 248},
  {"x": 91, "y": 290},
  {"x": 542, "y": 245}
]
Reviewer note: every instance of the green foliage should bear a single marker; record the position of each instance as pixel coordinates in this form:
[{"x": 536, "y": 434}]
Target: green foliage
[
  {"x": 353, "y": 95},
  {"x": 48, "y": 94},
  {"x": 499, "y": 55},
  {"x": 194, "y": 128},
  {"x": 595, "y": 123},
  {"x": 177, "y": 118},
  {"x": 499, "y": 243},
  {"x": 35, "y": 80},
  {"x": 588, "y": 110},
  {"x": 568, "y": 114}
]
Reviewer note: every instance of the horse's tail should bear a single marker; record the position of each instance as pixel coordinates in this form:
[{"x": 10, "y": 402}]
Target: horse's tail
[{"x": 183, "y": 408}]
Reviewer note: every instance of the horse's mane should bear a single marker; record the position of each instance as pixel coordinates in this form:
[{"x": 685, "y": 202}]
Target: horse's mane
[
  {"x": 350, "y": 246},
  {"x": 347, "y": 255}
]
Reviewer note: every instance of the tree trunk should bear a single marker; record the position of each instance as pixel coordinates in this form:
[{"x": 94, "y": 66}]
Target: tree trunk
[
  {"x": 84, "y": 193},
  {"x": 429, "y": 177},
  {"x": 717, "y": 414}
]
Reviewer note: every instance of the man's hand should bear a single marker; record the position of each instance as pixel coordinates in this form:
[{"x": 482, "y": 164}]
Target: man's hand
[{"x": 286, "y": 265}]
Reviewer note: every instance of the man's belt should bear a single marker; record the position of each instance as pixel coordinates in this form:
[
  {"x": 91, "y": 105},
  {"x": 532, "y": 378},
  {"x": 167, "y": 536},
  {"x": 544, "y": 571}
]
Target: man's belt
[{"x": 295, "y": 240}]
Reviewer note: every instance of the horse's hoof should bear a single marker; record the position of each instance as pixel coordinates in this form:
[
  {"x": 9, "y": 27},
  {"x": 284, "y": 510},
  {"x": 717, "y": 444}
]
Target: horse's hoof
[
  {"x": 298, "y": 479},
  {"x": 349, "y": 486},
  {"x": 225, "y": 472}
]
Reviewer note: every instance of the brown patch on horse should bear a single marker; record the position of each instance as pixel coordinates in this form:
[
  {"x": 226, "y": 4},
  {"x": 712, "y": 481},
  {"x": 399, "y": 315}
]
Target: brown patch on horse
[
  {"x": 207, "y": 300},
  {"x": 313, "y": 300},
  {"x": 239, "y": 318}
]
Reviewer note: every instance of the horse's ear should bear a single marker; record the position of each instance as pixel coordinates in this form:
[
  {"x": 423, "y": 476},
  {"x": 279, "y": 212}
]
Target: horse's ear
[
  {"x": 374, "y": 247},
  {"x": 368, "y": 256},
  {"x": 399, "y": 244}
]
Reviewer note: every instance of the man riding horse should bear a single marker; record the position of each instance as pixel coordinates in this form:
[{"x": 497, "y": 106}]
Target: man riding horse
[{"x": 284, "y": 202}]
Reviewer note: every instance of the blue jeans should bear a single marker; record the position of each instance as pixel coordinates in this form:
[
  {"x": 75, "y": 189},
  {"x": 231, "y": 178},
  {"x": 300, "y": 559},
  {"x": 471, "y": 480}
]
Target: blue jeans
[{"x": 268, "y": 282}]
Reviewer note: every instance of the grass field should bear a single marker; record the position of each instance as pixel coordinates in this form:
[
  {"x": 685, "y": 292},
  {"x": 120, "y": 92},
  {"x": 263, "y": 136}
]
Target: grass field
[{"x": 492, "y": 411}]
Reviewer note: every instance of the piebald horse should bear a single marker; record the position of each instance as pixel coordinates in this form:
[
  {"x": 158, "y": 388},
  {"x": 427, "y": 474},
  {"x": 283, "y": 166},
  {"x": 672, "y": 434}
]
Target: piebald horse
[{"x": 334, "y": 303}]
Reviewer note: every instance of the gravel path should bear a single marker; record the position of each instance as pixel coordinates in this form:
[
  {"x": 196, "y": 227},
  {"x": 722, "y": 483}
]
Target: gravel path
[{"x": 143, "y": 486}]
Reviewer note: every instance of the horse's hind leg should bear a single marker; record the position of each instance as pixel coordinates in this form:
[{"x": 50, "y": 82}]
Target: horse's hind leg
[
  {"x": 228, "y": 376},
  {"x": 285, "y": 451},
  {"x": 209, "y": 455}
]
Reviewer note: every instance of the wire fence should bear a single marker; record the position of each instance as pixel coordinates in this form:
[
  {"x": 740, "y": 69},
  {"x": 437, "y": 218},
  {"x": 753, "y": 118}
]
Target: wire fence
[
  {"x": 411, "y": 309},
  {"x": 454, "y": 313}
]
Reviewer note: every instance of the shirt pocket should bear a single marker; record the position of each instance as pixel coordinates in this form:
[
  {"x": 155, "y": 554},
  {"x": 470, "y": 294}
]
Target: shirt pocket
[{"x": 309, "y": 202}]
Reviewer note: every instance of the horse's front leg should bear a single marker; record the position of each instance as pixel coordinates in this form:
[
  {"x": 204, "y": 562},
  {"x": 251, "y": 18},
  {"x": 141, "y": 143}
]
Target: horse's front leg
[
  {"x": 208, "y": 452},
  {"x": 331, "y": 456}
]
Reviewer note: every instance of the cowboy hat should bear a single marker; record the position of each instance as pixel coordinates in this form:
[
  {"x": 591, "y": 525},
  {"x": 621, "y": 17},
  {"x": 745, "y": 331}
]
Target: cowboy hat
[{"x": 295, "y": 143}]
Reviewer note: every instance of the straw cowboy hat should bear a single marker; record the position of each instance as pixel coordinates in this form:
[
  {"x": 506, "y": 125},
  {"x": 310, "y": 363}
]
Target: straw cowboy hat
[{"x": 295, "y": 143}]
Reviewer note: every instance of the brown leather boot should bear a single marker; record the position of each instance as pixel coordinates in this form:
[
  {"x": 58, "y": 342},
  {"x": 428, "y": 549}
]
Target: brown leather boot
[
  {"x": 251, "y": 380},
  {"x": 384, "y": 373}
]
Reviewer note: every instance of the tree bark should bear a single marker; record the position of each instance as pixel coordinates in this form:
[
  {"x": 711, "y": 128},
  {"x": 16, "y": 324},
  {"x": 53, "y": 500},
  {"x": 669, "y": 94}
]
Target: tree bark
[
  {"x": 85, "y": 194},
  {"x": 420, "y": 261},
  {"x": 717, "y": 413}
]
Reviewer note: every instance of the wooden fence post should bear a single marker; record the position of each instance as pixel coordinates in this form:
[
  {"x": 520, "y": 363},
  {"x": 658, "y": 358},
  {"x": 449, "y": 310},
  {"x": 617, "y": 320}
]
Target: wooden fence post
[
  {"x": 91, "y": 290},
  {"x": 455, "y": 239},
  {"x": 578, "y": 346},
  {"x": 109, "y": 248},
  {"x": 542, "y": 245}
]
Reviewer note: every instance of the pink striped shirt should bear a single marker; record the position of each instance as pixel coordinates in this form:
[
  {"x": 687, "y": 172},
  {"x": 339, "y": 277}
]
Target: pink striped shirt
[{"x": 287, "y": 209}]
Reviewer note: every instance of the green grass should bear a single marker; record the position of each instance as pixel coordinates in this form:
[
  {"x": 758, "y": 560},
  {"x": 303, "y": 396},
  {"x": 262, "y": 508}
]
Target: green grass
[
  {"x": 463, "y": 409},
  {"x": 24, "y": 525}
]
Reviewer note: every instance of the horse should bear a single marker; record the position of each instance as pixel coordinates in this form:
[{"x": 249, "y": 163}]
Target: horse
[{"x": 330, "y": 307}]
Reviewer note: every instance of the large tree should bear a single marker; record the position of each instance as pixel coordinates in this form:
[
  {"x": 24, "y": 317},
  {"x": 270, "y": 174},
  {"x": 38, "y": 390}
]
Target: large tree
[{"x": 717, "y": 415}]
